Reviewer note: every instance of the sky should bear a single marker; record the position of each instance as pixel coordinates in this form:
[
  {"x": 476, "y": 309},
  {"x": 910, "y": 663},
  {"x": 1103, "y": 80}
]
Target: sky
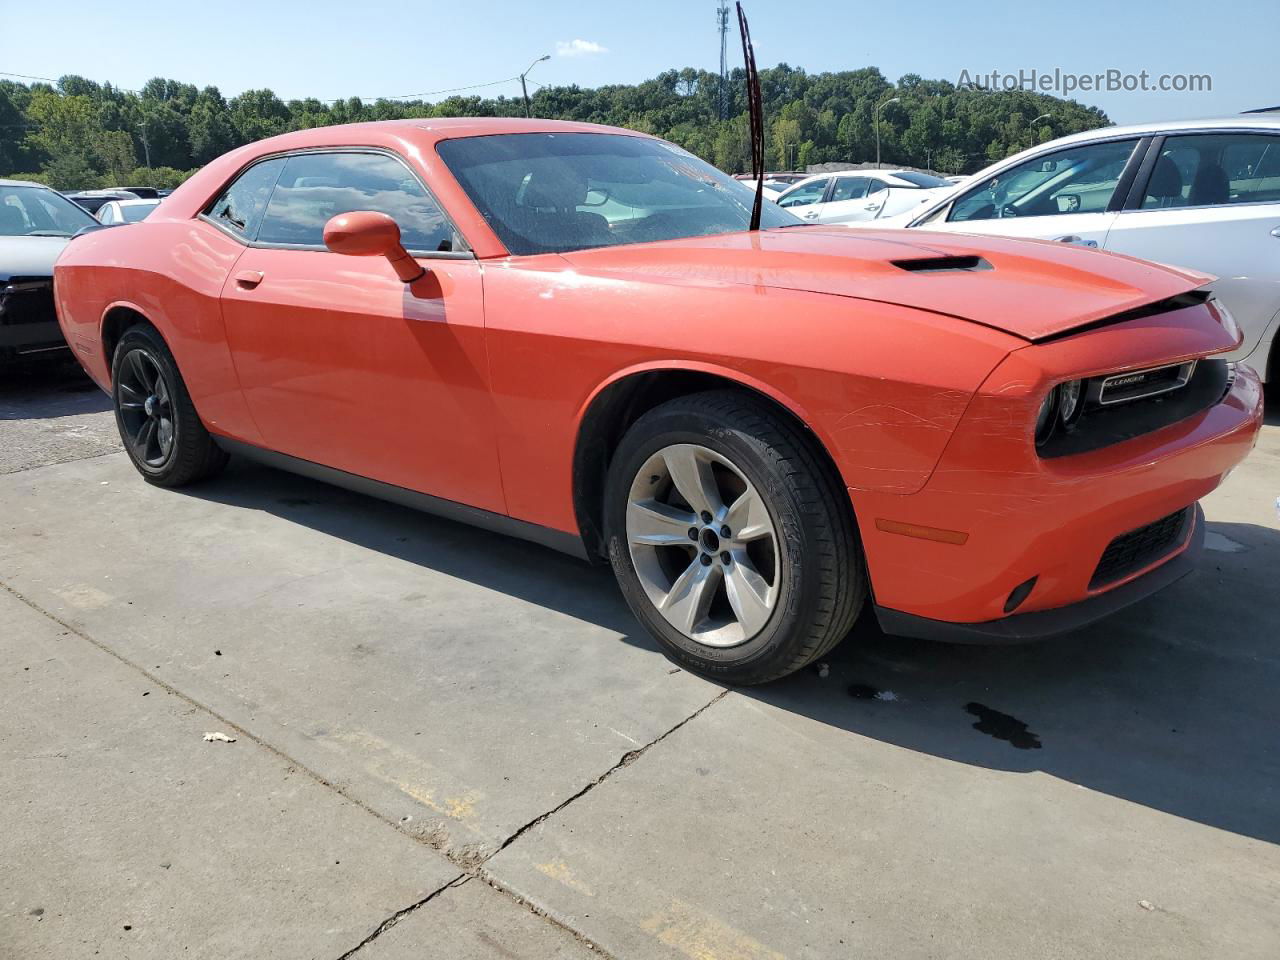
[{"x": 333, "y": 50}]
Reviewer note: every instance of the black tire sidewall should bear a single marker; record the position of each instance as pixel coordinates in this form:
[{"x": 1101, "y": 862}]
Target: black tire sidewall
[
  {"x": 755, "y": 659},
  {"x": 142, "y": 338}
]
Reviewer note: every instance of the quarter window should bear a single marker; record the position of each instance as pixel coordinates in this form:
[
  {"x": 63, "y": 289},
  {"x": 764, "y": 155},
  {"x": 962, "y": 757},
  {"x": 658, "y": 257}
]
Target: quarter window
[
  {"x": 1206, "y": 170},
  {"x": 239, "y": 209},
  {"x": 314, "y": 187},
  {"x": 1079, "y": 179}
]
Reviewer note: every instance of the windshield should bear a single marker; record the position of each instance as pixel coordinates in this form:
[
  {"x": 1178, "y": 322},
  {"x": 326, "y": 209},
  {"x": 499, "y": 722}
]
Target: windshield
[
  {"x": 38, "y": 212},
  {"x": 557, "y": 192},
  {"x": 920, "y": 179}
]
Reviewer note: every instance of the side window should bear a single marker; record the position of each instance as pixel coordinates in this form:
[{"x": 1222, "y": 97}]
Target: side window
[
  {"x": 849, "y": 188},
  {"x": 1205, "y": 170},
  {"x": 317, "y": 186},
  {"x": 877, "y": 186},
  {"x": 240, "y": 206},
  {"x": 107, "y": 214},
  {"x": 804, "y": 195},
  {"x": 1079, "y": 179}
]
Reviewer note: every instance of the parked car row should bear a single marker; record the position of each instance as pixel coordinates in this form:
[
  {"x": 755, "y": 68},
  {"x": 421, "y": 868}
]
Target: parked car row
[{"x": 860, "y": 195}]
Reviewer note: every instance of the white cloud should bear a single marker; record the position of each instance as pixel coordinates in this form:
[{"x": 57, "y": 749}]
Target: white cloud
[{"x": 579, "y": 48}]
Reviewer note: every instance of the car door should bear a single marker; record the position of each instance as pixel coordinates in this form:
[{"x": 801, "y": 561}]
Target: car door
[
  {"x": 805, "y": 199},
  {"x": 1211, "y": 202},
  {"x": 1071, "y": 194},
  {"x": 847, "y": 201},
  {"x": 340, "y": 362}
]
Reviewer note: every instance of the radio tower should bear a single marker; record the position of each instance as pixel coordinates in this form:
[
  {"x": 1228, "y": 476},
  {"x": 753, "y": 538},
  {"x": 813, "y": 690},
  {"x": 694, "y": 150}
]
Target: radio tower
[{"x": 722, "y": 24}]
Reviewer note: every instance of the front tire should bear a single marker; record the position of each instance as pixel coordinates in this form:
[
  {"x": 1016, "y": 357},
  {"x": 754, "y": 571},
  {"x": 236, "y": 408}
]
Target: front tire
[
  {"x": 159, "y": 426},
  {"x": 731, "y": 538}
]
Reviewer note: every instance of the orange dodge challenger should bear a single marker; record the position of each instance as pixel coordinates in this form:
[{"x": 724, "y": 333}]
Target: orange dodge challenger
[{"x": 567, "y": 332}]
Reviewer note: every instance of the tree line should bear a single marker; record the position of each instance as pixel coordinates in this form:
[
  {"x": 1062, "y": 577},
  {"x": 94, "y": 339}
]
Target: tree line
[{"x": 80, "y": 134}]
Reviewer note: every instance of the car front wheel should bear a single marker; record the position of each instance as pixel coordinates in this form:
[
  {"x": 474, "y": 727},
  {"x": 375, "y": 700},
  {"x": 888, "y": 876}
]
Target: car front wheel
[{"x": 731, "y": 537}]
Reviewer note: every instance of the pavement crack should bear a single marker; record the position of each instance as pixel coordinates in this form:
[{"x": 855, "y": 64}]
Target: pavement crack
[
  {"x": 628, "y": 758},
  {"x": 399, "y": 915}
]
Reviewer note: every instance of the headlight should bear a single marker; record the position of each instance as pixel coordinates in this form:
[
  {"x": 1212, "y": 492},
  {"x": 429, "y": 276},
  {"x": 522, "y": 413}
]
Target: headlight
[
  {"x": 1047, "y": 418},
  {"x": 1070, "y": 401}
]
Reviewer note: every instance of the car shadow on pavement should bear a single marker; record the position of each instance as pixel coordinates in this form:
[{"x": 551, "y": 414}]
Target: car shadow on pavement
[
  {"x": 524, "y": 570},
  {"x": 1173, "y": 704},
  {"x": 48, "y": 390}
]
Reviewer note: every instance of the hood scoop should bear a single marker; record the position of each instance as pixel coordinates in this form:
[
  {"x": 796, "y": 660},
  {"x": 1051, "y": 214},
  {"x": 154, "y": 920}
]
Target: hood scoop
[{"x": 943, "y": 265}]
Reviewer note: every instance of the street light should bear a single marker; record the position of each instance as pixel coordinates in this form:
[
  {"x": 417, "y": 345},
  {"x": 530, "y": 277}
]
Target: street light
[
  {"x": 876, "y": 119},
  {"x": 523, "y": 88},
  {"x": 1034, "y": 136}
]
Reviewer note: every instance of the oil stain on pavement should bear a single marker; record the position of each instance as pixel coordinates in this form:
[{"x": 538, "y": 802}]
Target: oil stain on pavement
[{"x": 1003, "y": 727}]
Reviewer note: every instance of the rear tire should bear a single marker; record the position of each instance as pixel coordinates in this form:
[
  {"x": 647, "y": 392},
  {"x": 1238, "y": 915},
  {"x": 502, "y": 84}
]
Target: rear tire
[
  {"x": 731, "y": 537},
  {"x": 159, "y": 426}
]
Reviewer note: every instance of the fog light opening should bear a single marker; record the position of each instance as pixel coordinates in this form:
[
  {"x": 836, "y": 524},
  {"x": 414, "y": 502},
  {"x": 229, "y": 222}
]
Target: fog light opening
[{"x": 1020, "y": 593}]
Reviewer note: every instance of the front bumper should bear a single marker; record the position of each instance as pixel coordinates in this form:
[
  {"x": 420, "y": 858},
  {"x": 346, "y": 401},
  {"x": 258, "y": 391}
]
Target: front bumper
[
  {"x": 1021, "y": 627},
  {"x": 28, "y": 322},
  {"x": 1052, "y": 520}
]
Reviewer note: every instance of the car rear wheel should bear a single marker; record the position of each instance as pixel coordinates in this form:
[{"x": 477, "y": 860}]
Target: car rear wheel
[
  {"x": 158, "y": 424},
  {"x": 732, "y": 540}
]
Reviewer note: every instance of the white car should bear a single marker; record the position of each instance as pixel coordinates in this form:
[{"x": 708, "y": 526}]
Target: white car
[
  {"x": 1204, "y": 195},
  {"x": 850, "y": 196},
  {"x": 126, "y": 211}
]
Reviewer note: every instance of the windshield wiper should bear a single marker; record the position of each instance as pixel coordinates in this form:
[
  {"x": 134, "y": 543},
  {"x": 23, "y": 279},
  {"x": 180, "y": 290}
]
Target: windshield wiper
[
  {"x": 756, "y": 107},
  {"x": 48, "y": 233}
]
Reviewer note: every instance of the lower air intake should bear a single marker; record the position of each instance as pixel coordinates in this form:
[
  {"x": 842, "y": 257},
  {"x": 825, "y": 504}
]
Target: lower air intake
[{"x": 1130, "y": 552}]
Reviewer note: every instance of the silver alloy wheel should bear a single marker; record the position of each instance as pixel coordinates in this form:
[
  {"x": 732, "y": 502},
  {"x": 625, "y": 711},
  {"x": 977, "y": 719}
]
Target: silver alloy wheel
[{"x": 703, "y": 545}]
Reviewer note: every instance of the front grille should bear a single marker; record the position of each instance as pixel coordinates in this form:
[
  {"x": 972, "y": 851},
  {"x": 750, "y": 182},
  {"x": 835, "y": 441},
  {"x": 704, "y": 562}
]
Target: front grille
[
  {"x": 1130, "y": 552},
  {"x": 27, "y": 300}
]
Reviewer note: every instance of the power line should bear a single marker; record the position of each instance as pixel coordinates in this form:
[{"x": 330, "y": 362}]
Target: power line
[{"x": 402, "y": 96}]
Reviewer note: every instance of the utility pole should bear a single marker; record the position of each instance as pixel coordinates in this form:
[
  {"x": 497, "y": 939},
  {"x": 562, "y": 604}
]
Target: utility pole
[
  {"x": 524, "y": 89},
  {"x": 722, "y": 24},
  {"x": 882, "y": 105},
  {"x": 146, "y": 145}
]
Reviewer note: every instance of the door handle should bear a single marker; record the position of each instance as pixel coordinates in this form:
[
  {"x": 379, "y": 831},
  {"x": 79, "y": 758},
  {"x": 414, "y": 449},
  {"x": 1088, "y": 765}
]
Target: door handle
[
  {"x": 1276, "y": 232},
  {"x": 1079, "y": 241},
  {"x": 811, "y": 215},
  {"x": 248, "y": 279}
]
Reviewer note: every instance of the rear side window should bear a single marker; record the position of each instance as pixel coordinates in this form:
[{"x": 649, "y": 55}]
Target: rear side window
[
  {"x": 317, "y": 186},
  {"x": 1207, "y": 170},
  {"x": 849, "y": 188},
  {"x": 240, "y": 207}
]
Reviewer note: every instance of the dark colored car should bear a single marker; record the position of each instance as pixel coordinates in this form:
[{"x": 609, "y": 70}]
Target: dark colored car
[
  {"x": 94, "y": 200},
  {"x": 143, "y": 193},
  {"x": 35, "y": 224}
]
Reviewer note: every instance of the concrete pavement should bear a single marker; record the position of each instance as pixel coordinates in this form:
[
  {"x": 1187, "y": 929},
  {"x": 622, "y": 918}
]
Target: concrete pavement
[{"x": 506, "y": 766}]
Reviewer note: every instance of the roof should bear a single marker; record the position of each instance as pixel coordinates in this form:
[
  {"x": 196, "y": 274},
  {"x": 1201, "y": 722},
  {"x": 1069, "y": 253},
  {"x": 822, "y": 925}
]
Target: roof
[
  {"x": 137, "y": 202},
  {"x": 23, "y": 183},
  {"x": 1250, "y": 121}
]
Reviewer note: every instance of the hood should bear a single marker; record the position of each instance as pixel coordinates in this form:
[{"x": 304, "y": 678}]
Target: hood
[
  {"x": 1032, "y": 289},
  {"x": 29, "y": 256}
]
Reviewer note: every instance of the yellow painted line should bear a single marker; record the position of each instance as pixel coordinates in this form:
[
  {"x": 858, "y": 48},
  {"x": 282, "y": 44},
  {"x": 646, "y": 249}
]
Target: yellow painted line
[{"x": 701, "y": 936}]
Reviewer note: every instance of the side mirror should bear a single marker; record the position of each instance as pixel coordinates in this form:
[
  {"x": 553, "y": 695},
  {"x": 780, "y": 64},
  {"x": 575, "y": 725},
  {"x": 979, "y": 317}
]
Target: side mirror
[{"x": 365, "y": 233}]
